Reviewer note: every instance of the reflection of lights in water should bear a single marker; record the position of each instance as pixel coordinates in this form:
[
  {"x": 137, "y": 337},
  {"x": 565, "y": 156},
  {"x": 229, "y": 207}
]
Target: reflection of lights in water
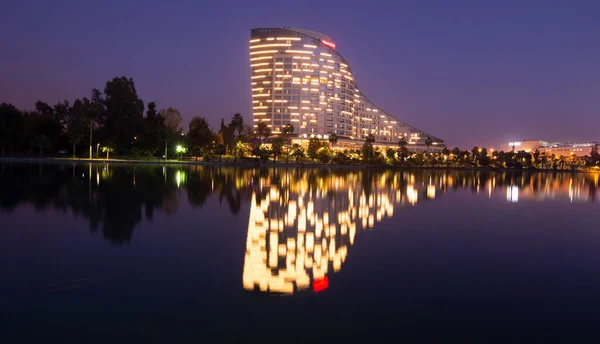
[
  {"x": 512, "y": 194},
  {"x": 298, "y": 234},
  {"x": 571, "y": 189},
  {"x": 180, "y": 178},
  {"x": 320, "y": 284},
  {"x": 431, "y": 191},
  {"x": 97, "y": 178},
  {"x": 412, "y": 194}
]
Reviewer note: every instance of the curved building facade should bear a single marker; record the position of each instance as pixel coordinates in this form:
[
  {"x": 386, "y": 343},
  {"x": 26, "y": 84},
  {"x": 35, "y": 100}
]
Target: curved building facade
[{"x": 299, "y": 78}]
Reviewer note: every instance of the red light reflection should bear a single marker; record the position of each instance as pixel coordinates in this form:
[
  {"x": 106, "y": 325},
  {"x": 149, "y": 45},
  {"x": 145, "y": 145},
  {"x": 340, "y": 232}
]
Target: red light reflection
[{"x": 320, "y": 284}]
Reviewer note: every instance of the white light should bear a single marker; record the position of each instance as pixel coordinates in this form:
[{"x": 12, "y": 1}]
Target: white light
[{"x": 512, "y": 194}]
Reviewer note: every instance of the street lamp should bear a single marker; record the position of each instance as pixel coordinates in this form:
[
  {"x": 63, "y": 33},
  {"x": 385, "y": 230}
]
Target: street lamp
[
  {"x": 180, "y": 149},
  {"x": 98, "y": 149}
]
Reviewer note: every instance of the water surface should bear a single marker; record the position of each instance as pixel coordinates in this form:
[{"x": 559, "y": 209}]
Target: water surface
[{"x": 144, "y": 253}]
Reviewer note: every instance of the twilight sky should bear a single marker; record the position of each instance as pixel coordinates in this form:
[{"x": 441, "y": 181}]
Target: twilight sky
[{"x": 472, "y": 72}]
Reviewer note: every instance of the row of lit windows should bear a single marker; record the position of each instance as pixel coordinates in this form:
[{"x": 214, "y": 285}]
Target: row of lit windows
[{"x": 286, "y": 91}]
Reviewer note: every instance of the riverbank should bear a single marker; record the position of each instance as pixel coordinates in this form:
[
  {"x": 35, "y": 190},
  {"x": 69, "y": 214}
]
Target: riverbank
[{"x": 291, "y": 163}]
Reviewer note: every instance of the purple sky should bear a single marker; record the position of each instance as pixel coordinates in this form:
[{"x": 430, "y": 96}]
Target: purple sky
[{"x": 471, "y": 72}]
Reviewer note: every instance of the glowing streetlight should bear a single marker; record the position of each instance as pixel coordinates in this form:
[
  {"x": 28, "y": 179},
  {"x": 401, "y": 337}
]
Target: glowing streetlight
[{"x": 180, "y": 149}]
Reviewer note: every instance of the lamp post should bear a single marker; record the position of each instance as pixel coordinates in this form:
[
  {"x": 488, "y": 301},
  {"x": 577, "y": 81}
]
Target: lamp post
[
  {"x": 180, "y": 149},
  {"x": 98, "y": 149},
  {"x": 91, "y": 126}
]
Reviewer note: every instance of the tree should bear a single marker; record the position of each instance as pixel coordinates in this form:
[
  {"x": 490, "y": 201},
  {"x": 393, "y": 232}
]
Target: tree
[
  {"x": 107, "y": 149},
  {"x": 428, "y": 142},
  {"x": 390, "y": 153},
  {"x": 262, "y": 151},
  {"x": 237, "y": 127},
  {"x": 172, "y": 120},
  {"x": 341, "y": 157},
  {"x": 483, "y": 159},
  {"x": 402, "y": 142},
  {"x": 96, "y": 114},
  {"x": 42, "y": 131},
  {"x": 221, "y": 150},
  {"x": 44, "y": 109},
  {"x": 61, "y": 111},
  {"x": 298, "y": 152},
  {"x": 200, "y": 135},
  {"x": 237, "y": 123},
  {"x": 241, "y": 149},
  {"x": 277, "y": 147},
  {"x": 324, "y": 154},
  {"x": 263, "y": 131},
  {"x": 333, "y": 139},
  {"x": 124, "y": 112},
  {"x": 314, "y": 144},
  {"x": 594, "y": 159},
  {"x": 446, "y": 155},
  {"x": 418, "y": 159},
  {"x": 367, "y": 148},
  {"x": 75, "y": 121},
  {"x": 227, "y": 132},
  {"x": 154, "y": 130},
  {"x": 12, "y": 127},
  {"x": 370, "y": 139},
  {"x": 403, "y": 154},
  {"x": 475, "y": 155},
  {"x": 288, "y": 130},
  {"x": 42, "y": 141}
]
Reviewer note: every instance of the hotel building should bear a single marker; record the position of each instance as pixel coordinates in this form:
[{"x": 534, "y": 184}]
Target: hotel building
[
  {"x": 557, "y": 148},
  {"x": 299, "y": 78}
]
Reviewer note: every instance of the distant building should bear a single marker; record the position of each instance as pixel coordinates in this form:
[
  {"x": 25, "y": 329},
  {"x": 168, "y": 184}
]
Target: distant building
[
  {"x": 299, "y": 78},
  {"x": 556, "y": 148}
]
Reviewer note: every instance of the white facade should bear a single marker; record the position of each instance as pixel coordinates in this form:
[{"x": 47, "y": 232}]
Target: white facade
[{"x": 299, "y": 78}]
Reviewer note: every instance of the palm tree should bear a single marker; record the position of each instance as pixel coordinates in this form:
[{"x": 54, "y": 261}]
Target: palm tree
[
  {"x": 333, "y": 139},
  {"x": 370, "y": 138},
  {"x": 428, "y": 142},
  {"x": 402, "y": 142},
  {"x": 237, "y": 123},
  {"x": 107, "y": 149},
  {"x": 263, "y": 130},
  {"x": 287, "y": 131},
  {"x": 237, "y": 126},
  {"x": 369, "y": 145}
]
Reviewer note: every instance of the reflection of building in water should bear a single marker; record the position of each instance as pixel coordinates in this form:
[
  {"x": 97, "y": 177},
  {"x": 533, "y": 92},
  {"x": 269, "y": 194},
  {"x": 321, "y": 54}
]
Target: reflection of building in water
[
  {"x": 580, "y": 188},
  {"x": 299, "y": 232},
  {"x": 512, "y": 194}
]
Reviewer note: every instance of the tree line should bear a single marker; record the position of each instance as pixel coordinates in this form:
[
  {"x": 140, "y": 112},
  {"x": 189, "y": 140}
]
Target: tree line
[
  {"x": 325, "y": 151},
  {"x": 114, "y": 120},
  {"x": 117, "y": 121}
]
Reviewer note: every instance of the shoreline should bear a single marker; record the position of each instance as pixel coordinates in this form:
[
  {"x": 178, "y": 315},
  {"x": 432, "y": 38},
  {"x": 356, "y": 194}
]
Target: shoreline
[{"x": 279, "y": 164}]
